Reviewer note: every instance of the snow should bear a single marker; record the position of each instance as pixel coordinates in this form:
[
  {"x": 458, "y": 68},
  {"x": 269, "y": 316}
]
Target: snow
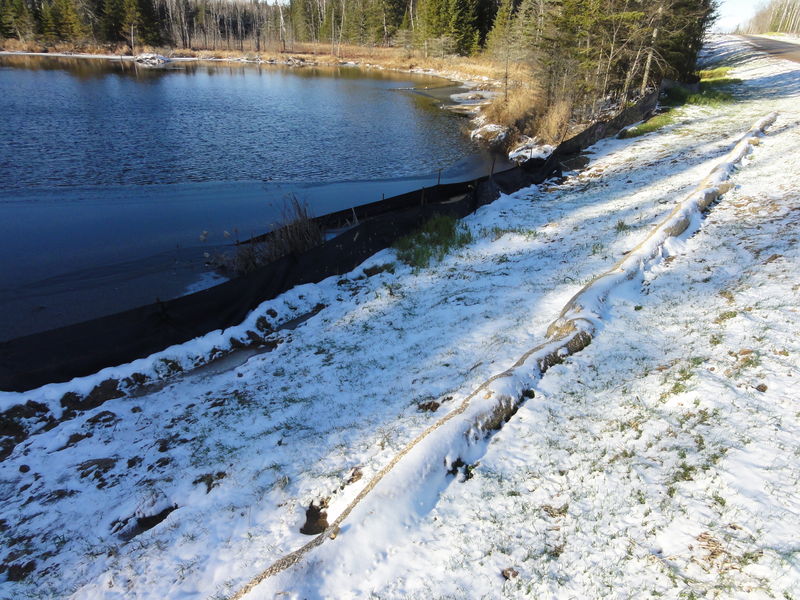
[
  {"x": 529, "y": 148},
  {"x": 491, "y": 132},
  {"x": 792, "y": 38},
  {"x": 206, "y": 280},
  {"x": 474, "y": 98},
  {"x": 661, "y": 460},
  {"x": 150, "y": 59}
]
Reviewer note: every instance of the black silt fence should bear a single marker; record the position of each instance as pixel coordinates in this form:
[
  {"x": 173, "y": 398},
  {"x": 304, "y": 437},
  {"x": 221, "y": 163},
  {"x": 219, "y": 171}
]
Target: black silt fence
[{"x": 85, "y": 348}]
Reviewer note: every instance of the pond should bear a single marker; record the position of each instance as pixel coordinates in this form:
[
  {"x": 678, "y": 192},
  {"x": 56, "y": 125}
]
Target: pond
[{"x": 116, "y": 181}]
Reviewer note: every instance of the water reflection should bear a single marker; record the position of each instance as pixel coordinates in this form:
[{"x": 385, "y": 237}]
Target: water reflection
[
  {"x": 88, "y": 67},
  {"x": 71, "y": 121}
]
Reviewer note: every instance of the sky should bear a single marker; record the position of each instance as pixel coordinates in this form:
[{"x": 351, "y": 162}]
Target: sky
[{"x": 735, "y": 12}]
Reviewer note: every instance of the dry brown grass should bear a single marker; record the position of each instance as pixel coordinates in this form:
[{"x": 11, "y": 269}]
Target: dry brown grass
[
  {"x": 15, "y": 45},
  {"x": 525, "y": 111},
  {"x": 518, "y": 110},
  {"x": 297, "y": 234},
  {"x": 554, "y": 123},
  {"x": 401, "y": 58}
]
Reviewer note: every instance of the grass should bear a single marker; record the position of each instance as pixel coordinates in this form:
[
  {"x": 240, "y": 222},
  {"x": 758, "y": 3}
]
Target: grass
[
  {"x": 498, "y": 232},
  {"x": 714, "y": 84},
  {"x": 432, "y": 241},
  {"x": 649, "y": 126},
  {"x": 749, "y": 361},
  {"x": 717, "y": 73},
  {"x": 725, "y": 316}
]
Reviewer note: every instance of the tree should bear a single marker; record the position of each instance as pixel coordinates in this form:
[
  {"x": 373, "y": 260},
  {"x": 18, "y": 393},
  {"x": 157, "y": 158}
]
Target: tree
[
  {"x": 7, "y": 19},
  {"x": 500, "y": 43},
  {"x": 130, "y": 21},
  {"x": 461, "y": 27}
]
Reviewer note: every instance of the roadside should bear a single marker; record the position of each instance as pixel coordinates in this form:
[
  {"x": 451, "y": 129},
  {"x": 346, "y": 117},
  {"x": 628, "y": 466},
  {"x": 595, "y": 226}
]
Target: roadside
[
  {"x": 658, "y": 462},
  {"x": 610, "y": 472},
  {"x": 787, "y": 48}
]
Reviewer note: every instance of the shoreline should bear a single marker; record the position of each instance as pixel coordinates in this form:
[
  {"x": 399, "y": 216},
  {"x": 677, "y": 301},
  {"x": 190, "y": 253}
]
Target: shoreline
[
  {"x": 485, "y": 86},
  {"x": 296, "y": 60},
  {"x": 492, "y": 136}
]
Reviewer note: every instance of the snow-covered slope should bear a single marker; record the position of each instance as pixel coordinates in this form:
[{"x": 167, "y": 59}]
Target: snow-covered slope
[{"x": 660, "y": 460}]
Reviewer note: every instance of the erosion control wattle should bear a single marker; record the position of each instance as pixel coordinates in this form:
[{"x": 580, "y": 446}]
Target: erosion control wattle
[{"x": 580, "y": 320}]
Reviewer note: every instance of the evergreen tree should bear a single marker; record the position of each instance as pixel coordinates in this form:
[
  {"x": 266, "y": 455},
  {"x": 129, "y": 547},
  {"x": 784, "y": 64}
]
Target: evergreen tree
[
  {"x": 684, "y": 24},
  {"x": 68, "y": 23},
  {"x": 485, "y": 14},
  {"x": 48, "y": 25},
  {"x": 500, "y": 42},
  {"x": 299, "y": 21},
  {"x": 112, "y": 20},
  {"x": 461, "y": 28},
  {"x": 130, "y": 21},
  {"x": 500, "y": 38},
  {"x": 7, "y": 20},
  {"x": 15, "y": 19},
  {"x": 529, "y": 23},
  {"x": 435, "y": 16}
]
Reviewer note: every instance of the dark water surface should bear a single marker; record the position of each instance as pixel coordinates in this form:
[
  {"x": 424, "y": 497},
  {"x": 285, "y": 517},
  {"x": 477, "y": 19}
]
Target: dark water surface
[
  {"x": 82, "y": 122},
  {"x": 110, "y": 174}
]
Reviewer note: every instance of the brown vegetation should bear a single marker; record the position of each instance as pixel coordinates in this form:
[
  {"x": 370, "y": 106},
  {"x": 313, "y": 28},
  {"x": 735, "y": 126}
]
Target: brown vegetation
[
  {"x": 298, "y": 233},
  {"x": 461, "y": 67}
]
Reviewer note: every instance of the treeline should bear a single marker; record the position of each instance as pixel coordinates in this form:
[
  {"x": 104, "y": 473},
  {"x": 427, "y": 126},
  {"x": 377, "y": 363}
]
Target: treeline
[
  {"x": 591, "y": 53},
  {"x": 778, "y": 15},
  {"x": 437, "y": 27},
  {"x": 207, "y": 24}
]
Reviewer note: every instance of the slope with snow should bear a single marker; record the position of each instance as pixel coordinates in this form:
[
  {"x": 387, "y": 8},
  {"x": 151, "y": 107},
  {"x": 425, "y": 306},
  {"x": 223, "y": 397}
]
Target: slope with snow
[{"x": 660, "y": 460}]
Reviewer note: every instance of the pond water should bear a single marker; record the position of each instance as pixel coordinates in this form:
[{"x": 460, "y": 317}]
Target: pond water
[
  {"x": 110, "y": 174},
  {"x": 86, "y": 122}
]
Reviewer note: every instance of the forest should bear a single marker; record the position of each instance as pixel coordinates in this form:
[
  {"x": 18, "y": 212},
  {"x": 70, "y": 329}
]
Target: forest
[
  {"x": 776, "y": 16},
  {"x": 570, "y": 58}
]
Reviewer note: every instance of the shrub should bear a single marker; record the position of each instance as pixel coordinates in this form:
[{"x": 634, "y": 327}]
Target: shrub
[
  {"x": 297, "y": 234},
  {"x": 554, "y": 122}
]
